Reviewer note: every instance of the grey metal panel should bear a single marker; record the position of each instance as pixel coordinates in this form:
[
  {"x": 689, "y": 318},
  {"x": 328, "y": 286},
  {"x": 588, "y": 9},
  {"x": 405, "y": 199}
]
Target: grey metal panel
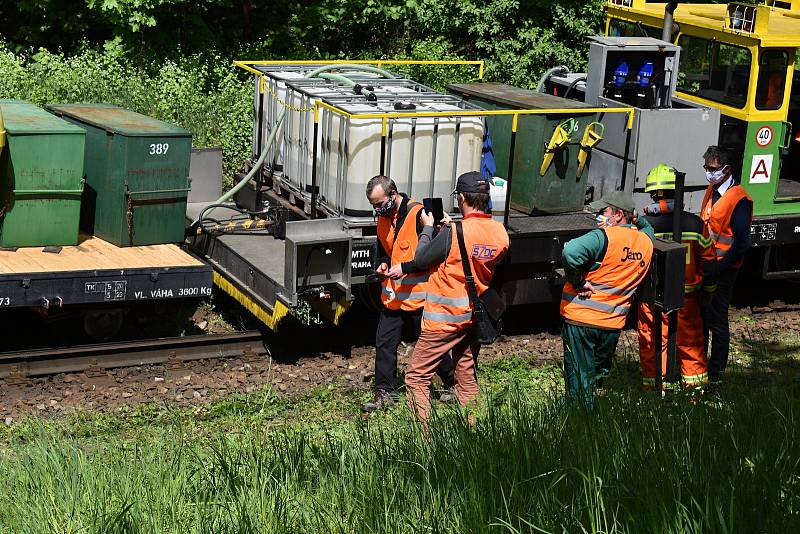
[
  {"x": 205, "y": 174},
  {"x": 605, "y": 173},
  {"x": 677, "y": 137},
  {"x": 328, "y": 244}
]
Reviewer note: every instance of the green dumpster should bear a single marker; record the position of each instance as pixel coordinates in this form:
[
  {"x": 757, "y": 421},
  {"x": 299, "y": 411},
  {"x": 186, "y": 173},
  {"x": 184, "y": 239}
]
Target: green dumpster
[
  {"x": 560, "y": 190},
  {"x": 137, "y": 174},
  {"x": 41, "y": 177}
]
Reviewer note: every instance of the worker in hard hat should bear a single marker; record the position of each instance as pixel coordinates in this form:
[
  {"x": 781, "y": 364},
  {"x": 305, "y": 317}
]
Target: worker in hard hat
[
  {"x": 698, "y": 286},
  {"x": 603, "y": 267}
]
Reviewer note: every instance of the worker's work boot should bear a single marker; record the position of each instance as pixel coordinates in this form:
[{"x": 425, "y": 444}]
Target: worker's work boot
[
  {"x": 383, "y": 399},
  {"x": 448, "y": 396}
]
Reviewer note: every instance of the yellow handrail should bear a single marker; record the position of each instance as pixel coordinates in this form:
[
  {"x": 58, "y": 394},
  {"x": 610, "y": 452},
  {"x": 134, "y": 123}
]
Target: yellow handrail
[
  {"x": 246, "y": 65},
  {"x": 514, "y": 113}
]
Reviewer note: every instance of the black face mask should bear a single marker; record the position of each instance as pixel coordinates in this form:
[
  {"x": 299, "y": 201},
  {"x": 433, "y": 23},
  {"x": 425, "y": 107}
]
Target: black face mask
[{"x": 386, "y": 209}]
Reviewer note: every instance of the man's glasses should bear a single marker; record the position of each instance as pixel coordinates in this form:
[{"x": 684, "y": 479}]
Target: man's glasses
[{"x": 713, "y": 169}]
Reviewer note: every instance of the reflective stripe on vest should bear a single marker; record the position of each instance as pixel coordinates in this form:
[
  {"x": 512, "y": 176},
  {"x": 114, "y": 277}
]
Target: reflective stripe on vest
[
  {"x": 602, "y": 306},
  {"x": 407, "y": 293},
  {"x": 622, "y": 269},
  {"x": 446, "y": 317},
  {"x": 613, "y": 290},
  {"x": 403, "y": 295},
  {"x": 462, "y": 302},
  {"x": 717, "y": 217},
  {"x": 448, "y": 307}
]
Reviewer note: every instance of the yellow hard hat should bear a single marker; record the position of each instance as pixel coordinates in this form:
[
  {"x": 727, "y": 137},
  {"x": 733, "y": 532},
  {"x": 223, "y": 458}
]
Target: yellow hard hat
[{"x": 660, "y": 178}]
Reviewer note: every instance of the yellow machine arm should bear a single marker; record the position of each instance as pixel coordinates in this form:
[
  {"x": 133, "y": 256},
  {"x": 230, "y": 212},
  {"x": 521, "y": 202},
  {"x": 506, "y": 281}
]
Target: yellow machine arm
[{"x": 592, "y": 135}]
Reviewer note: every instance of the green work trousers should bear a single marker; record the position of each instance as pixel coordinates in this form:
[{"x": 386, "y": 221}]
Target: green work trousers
[{"x": 588, "y": 353}]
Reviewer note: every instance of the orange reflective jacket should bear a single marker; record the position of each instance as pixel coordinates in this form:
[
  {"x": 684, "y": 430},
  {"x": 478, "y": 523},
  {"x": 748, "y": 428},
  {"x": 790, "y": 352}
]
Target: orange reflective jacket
[
  {"x": 407, "y": 293},
  {"x": 448, "y": 308},
  {"x": 621, "y": 270},
  {"x": 695, "y": 237},
  {"x": 718, "y": 218}
]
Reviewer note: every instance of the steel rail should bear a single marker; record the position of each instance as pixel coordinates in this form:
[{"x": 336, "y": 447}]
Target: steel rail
[{"x": 104, "y": 356}]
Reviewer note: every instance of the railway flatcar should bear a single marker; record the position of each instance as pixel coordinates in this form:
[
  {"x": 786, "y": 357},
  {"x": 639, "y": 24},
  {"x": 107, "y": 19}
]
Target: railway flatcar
[
  {"x": 92, "y": 218},
  {"x": 297, "y": 229}
]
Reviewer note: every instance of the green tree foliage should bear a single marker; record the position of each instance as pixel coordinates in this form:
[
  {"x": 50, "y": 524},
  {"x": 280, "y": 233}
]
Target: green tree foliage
[
  {"x": 172, "y": 58},
  {"x": 519, "y": 38}
]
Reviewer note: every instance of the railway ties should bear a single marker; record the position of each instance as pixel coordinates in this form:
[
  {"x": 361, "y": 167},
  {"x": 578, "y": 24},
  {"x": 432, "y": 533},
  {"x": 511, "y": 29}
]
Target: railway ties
[{"x": 98, "y": 358}]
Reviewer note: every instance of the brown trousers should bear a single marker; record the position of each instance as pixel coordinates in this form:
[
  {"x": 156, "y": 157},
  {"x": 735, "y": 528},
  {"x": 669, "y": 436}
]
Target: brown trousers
[{"x": 428, "y": 353}]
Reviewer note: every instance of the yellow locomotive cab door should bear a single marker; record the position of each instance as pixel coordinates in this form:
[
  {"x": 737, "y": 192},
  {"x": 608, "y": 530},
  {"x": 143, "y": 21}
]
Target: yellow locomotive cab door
[{"x": 771, "y": 82}]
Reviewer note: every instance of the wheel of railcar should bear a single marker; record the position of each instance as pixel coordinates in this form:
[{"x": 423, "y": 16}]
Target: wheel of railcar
[{"x": 103, "y": 324}]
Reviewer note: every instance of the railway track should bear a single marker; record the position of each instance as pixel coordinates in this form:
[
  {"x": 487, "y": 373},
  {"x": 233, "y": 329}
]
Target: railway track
[{"x": 98, "y": 358}]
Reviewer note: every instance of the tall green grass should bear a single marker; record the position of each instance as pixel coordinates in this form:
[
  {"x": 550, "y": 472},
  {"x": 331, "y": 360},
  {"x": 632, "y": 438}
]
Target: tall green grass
[{"x": 631, "y": 464}]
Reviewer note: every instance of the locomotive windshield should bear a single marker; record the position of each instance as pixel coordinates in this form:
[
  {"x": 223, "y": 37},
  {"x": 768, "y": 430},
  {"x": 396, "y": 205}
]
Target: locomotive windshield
[
  {"x": 623, "y": 28},
  {"x": 715, "y": 71}
]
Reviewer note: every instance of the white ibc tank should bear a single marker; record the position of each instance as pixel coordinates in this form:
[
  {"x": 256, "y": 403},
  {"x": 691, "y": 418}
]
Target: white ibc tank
[
  {"x": 276, "y": 92},
  {"x": 423, "y": 155}
]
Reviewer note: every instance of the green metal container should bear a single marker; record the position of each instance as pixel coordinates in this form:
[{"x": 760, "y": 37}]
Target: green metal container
[
  {"x": 137, "y": 174},
  {"x": 560, "y": 190},
  {"x": 41, "y": 177}
]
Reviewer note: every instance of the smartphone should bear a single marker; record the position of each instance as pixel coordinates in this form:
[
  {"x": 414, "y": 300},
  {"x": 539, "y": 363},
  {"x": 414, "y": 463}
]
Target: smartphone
[{"x": 435, "y": 207}]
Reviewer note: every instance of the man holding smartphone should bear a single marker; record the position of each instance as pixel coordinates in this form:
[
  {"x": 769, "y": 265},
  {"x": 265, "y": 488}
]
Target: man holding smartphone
[
  {"x": 403, "y": 288},
  {"x": 447, "y": 321}
]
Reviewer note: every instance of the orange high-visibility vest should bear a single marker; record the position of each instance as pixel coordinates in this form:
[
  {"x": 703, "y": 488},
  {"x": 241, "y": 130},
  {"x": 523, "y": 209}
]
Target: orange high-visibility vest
[
  {"x": 621, "y": 270},
  {"x": 407, "y": 293},
  {"x": 448, "y": 308},
  {"x": 718, "y": 218}
]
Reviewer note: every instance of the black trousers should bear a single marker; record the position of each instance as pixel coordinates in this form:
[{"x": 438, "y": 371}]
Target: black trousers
[
  {"x": 715, "y": 318},
  {"x": 387, "y": 339}
]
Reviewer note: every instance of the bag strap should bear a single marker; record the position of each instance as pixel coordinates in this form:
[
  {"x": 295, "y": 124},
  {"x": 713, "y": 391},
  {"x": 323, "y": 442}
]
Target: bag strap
[{"x": 471, "y": 289}]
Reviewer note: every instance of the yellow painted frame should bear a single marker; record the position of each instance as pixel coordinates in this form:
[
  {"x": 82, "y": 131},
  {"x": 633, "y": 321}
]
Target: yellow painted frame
[{"x": 246, "y": 65}]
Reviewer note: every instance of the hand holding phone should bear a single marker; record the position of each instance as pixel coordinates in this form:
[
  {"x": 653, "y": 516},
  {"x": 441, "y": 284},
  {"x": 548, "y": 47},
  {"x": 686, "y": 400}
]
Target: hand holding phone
[{"x": 435, "y": 207}]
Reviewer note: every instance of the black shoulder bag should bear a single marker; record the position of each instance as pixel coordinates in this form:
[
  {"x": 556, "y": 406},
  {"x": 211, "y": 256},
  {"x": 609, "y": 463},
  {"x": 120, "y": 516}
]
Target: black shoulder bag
[{"x": 488, "y": 307}]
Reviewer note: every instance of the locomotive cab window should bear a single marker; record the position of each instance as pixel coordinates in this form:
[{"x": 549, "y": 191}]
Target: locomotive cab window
[
  {"x": 623, "y": 28},
  {"x": 715, "y": 71},
  {"x": 771, "y": 79}
]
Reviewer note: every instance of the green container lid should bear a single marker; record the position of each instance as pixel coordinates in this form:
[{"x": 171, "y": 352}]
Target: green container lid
[
  {"x": 23, "y": 118},
  {"x": 117, "y": 120}
]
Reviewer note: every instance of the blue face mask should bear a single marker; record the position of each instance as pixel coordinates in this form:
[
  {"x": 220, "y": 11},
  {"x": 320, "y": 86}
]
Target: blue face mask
[{"x": 386, "y": 209}]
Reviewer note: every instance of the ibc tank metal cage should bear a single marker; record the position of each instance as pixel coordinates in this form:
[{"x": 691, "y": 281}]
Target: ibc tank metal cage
[{"x": 283, "y": 100}]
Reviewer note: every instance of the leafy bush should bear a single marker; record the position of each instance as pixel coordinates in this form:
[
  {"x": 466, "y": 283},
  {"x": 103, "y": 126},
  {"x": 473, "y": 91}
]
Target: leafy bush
[{"x": 203, "y": 94}]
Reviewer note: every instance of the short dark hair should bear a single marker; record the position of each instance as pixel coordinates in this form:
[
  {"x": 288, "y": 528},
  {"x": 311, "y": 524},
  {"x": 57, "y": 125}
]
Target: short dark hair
[
  {"x": 716, "y": 152},
  {"x": 386, "y": 183},
  {"x": 478, "y": 201}
]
